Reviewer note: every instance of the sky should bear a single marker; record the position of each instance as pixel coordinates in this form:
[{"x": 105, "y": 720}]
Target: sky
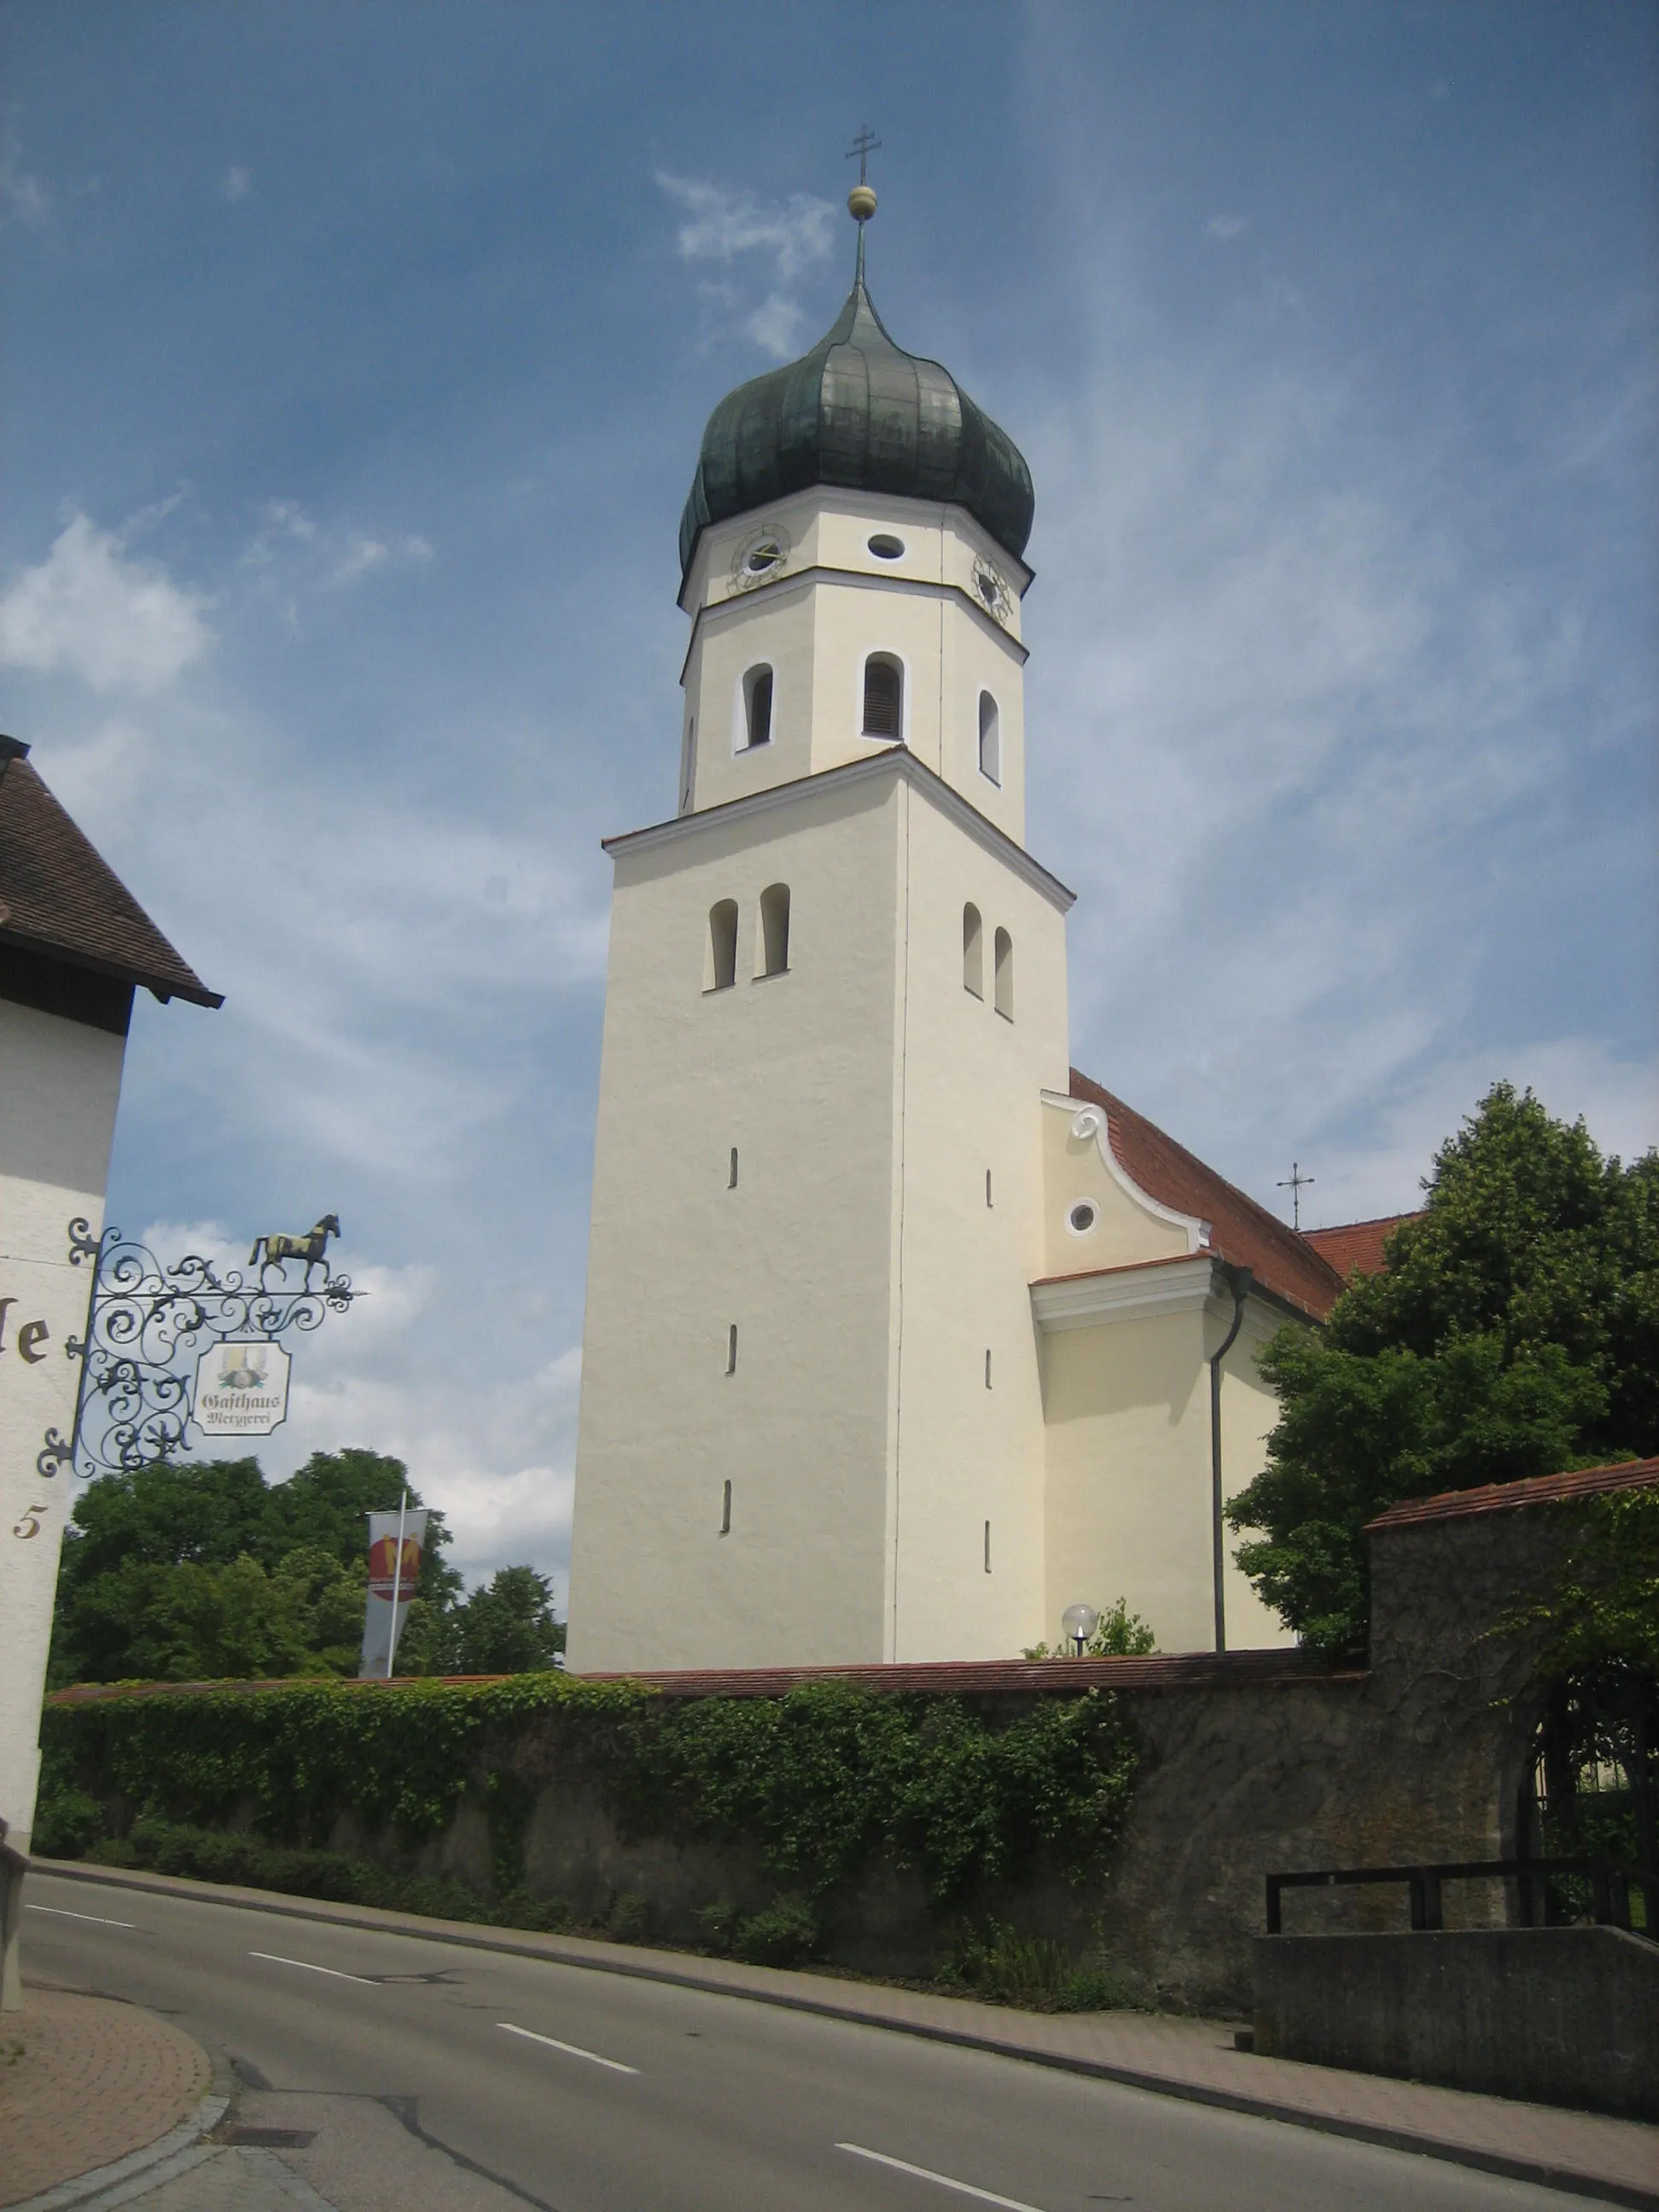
[{"x": 357, "y": 362}]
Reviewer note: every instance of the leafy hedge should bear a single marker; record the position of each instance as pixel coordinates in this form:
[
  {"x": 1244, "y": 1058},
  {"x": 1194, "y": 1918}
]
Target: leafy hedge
[{"x": 820, "y": 1780}]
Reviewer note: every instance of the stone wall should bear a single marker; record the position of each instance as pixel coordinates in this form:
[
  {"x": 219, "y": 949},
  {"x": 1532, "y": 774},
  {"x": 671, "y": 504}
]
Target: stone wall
[
  {"x": 1559, "y": 2016},
  {"x": 1251, "y": 1762}
]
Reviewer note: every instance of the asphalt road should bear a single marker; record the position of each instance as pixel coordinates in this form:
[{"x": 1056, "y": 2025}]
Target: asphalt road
[{"x": 510, "y": 2081}]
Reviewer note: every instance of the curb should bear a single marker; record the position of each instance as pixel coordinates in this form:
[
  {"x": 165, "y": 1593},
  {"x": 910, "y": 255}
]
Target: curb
[
  {"x": 642, "y": 1965},
  {"x": 174, "y": 2153}
]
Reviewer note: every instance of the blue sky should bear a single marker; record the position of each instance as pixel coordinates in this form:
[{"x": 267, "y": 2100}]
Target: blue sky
[{"x": 357, "y": 363}]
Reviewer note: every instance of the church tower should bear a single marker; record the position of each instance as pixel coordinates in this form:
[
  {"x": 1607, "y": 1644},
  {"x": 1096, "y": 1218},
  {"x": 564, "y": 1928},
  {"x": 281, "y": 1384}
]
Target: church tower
[{"x": 811, "y": 1424}]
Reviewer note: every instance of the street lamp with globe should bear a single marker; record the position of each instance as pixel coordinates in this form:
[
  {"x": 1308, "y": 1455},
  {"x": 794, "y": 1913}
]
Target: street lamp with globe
[{"x": 1079, "y": 1623}]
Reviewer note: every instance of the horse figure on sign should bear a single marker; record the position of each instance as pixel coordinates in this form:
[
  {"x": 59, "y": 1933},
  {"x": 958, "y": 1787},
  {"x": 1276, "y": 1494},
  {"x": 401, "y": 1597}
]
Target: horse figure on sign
[{"x": 274, "y": 1250}]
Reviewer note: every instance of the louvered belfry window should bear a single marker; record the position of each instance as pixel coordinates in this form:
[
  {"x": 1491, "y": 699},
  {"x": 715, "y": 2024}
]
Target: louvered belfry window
[{"x": 884, "y": 697}]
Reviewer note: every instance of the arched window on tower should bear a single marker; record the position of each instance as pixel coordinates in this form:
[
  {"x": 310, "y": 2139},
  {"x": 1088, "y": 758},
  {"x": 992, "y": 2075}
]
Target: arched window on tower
[
  {"x": 774, "y": 929},
  {"x": 884, "y": 696},
  {"x": 722, "y": 969},
  {"x": 757, "y": 706},
  {"x": 1005, "y": 975},
  {"x": 990, "y": 739},
  {"x": 972, "y": 951}
]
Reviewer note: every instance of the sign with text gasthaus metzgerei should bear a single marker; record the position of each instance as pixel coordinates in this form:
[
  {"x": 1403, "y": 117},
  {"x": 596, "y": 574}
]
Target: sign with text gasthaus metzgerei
[
  {"x": 241, "y": 1388},
  {"x": 391, "y": 1585}
]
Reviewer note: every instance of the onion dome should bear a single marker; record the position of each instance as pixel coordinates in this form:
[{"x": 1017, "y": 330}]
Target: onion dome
[{"x": 861, "y": 413}]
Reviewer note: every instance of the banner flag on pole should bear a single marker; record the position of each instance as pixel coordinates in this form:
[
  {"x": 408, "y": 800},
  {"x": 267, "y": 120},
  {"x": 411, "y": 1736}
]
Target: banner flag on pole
[{"x": 389, "y": 1589}]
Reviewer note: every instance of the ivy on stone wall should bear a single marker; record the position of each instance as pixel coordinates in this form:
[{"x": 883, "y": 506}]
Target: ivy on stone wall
[{"x": 819, "y": 1781}]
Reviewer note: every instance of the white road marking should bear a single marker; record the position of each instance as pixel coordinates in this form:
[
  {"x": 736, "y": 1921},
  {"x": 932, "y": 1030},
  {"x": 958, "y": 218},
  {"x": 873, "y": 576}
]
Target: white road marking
[
  {"x": 575, "y": 2049},
  {"x": 944, "y": 2180},
  {"x": 62, "y": 1912},
  {"x": 277, "y": 1959}
]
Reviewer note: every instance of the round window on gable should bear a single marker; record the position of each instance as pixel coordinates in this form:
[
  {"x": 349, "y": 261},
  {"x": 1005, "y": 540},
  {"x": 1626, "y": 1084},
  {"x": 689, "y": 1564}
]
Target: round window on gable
[
  {"x": 886, "y": 548},
  {"x": 1083, "y": 1217}
]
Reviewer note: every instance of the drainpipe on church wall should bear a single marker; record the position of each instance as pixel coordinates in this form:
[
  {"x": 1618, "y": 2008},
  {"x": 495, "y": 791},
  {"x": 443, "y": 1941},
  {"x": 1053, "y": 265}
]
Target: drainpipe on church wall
[{"x": 1238, "y": 1281}]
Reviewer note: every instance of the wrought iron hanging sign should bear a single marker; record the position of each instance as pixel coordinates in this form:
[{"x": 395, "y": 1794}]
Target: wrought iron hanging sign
[
  {"x": 169, "y": 1348},
  {"x": 241, "y": 1388}
]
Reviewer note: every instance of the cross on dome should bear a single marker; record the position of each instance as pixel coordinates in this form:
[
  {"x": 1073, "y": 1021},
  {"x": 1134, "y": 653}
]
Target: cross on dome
[{"x": 861, "y": 200}]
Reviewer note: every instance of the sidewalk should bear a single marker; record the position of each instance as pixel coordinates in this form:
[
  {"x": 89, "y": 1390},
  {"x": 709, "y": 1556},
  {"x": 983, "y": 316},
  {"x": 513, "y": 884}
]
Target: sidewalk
[
  {"x": 91, "y": 2082},
  {"x": 1616, "y": 2160}
]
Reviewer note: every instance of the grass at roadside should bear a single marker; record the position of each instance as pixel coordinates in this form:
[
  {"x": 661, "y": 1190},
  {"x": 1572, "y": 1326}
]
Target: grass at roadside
[{"x": 987, "y": 1960}]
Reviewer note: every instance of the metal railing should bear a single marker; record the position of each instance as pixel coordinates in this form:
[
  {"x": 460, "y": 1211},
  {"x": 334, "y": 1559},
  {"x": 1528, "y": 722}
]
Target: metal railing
[{"x": 1610, "y": 1880}]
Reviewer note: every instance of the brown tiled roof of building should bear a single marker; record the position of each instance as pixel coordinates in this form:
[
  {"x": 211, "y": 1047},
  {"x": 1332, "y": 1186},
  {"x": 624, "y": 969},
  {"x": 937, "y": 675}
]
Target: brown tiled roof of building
[
  {"x": 1240, "y": 1229},
  {"x": 1357, "y": 1244},
  {"x": 1509, "y": 1497},
  {"x": 59, "y": 897}
]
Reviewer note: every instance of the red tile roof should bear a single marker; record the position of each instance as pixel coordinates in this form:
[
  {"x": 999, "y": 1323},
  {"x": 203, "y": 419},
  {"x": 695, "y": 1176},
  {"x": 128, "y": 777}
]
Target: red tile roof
[
  {"x": 1509, "y": 1497},
  {"x": 1240, "y": 1229},
  {"x": 1357, "y": 1244},
  {"x": 57, "y": 897}
]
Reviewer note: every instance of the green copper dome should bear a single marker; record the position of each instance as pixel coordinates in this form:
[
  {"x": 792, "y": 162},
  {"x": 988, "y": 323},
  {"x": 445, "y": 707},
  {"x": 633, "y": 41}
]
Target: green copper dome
[{"x": 860, "y": 413}]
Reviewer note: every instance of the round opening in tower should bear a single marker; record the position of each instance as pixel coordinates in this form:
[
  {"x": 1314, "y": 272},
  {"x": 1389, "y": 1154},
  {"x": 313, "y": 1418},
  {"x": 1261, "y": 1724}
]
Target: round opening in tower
[
  {"x": 1081, "y": 1219},
  {"x": 764, "y": 556},
  {"x": 885, "y": 548}
]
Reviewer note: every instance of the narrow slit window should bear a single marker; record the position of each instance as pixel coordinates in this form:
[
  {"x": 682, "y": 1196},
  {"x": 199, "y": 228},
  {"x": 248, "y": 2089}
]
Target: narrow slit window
[
  {"x": 732, "y": 1179},
  {"x": 987, "y": 1542},
  {"x": 732, "y": 1349},
  {"x": 972, "y": 951},
  {"x": 722, "y": 945},
  {"x": 884, "y": 696},
  {"x": 726, "y": 1514},
  {"x": 988, "y": 1185},
  {"x": 774, "y": 929},
  {"x": 990, "y": 739},
  {"x": 1005, "y": 975},
  {"x": 987, "y": 1366},
  {"x": 688, "y": 764},
  {"x": 757, "y": 706}
]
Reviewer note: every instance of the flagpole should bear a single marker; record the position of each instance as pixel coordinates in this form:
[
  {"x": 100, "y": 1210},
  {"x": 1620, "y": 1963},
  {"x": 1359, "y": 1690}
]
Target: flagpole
[{"x": 396, "y": 1584}]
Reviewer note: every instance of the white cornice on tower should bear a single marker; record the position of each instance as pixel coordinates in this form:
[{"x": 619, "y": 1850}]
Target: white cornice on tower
[{"x": 899, "y": 764}]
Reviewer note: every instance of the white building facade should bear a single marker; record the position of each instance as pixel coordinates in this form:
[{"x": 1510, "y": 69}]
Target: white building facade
[
  {"x": 72, "y": 946},
  {"x": 898, "y": 1333}
]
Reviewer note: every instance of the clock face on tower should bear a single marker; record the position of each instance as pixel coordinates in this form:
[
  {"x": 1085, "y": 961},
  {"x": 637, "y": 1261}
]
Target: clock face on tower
[
  {"x": 990, "y": 591},
  {"x": 761, "y": 553}
]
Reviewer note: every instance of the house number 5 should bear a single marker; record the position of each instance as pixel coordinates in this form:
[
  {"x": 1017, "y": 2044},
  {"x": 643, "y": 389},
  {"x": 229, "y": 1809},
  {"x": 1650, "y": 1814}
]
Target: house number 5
[{"x": 30, "y": 1524}]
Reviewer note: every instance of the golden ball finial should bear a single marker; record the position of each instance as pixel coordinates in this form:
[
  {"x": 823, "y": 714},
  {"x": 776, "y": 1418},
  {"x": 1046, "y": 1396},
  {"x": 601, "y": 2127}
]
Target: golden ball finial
[{"x": 860, "y": 203}]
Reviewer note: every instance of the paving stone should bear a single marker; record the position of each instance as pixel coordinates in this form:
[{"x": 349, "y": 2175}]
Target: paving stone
[{"x": 86, "y": 2081}]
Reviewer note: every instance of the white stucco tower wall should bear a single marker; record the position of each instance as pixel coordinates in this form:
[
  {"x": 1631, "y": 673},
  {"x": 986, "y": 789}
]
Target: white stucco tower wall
[{"x": 858, "y": 1474}]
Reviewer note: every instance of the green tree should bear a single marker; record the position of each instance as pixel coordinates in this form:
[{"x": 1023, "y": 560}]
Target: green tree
[
  {"x": 506, "y": 1627},
  {"x": 1514, "y": 1331},
  {"x": 192, "y": 1623},
  {"x": 187, "y": 1571}
]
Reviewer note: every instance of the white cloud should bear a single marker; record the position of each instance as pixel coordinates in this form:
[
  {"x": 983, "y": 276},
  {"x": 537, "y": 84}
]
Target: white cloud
[
  {"x": 721, "y": 224},
  {"x": 286, "y": 521},
  {"x": 117, "y": 623},
  {"x": 774, "y": 324},
  {"x": 24, "y": 198},
  {"x": 332, "y": 556},
  {"x": 1301, "y": 744},
  {"x": 1618, "y": 1100},
  {"x": 1226, "y": 227},
  {"x": 363, "y": 555},
  {"x": 236, "y": 183}
]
